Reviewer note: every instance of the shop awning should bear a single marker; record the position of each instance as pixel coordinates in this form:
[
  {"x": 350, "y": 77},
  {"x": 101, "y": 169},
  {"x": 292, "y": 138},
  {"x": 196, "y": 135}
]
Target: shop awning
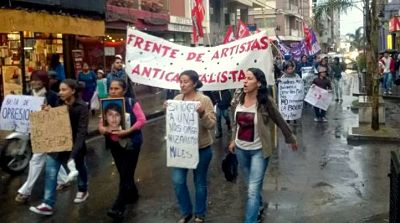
[{"x": 19, "y": 20}]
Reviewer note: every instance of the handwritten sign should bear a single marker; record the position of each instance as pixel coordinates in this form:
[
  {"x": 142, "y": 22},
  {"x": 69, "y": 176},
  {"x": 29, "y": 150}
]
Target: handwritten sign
[
  {"x": 182, "y": 134},
  {"x": 291, "y": 95},
  {"x": 15, "y": 112},
  {"x": 157, "y": 62},
  {"x": 319, "y": 97},
  {"x": 307, "y": 73},
  {"x": 51, "y": 131}
]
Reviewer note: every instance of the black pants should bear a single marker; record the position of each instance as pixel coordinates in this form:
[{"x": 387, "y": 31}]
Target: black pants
[{"x": 125, "y": 161}]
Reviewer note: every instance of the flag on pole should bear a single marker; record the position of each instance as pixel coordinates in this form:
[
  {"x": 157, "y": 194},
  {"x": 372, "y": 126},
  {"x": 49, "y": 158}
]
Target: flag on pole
[
  {"x": 310, "y": 40},
  {"x": 242, "y": 30},
  {"x": 229, "y": 35},
  {"x": 198, "y": 13}
]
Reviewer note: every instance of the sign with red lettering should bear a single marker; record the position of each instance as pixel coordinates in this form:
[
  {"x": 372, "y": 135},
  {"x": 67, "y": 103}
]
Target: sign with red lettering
[{"x": 157, "y": 62}]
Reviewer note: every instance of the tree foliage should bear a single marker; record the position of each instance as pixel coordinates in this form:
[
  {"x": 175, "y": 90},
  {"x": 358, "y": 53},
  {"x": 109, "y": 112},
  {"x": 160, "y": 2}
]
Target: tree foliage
[{"x": 357, "y": 39}]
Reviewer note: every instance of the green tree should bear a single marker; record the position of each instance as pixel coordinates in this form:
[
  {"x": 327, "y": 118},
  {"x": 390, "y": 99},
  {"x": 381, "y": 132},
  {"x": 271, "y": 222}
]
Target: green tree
[
  {"x": 357, "y": 38},
  {"x": 371, "y": 10}
]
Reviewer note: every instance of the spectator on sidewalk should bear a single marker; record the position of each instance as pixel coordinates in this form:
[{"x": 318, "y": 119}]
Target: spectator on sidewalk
[
  {"x": 79, "y": 119},
  {"x": 190, "y": 83},
  {"x": 253, "y": 138},
  {"x": 101, "y": 85},
  {"x": 223, "y": 102},
  {"x": 39, "y": 82},
  {"x": 88, "y": 77},
  {"x": 57, "y": 67},
  {"x": 323, "y": 82},
  {"x": 387, "y": 76},
  {"x": 125, "y": 148},
  {"x": 337, "y": 70}
]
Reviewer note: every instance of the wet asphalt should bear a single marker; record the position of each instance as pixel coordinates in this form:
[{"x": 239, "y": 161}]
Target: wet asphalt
[{"x": 327, "y": 180}]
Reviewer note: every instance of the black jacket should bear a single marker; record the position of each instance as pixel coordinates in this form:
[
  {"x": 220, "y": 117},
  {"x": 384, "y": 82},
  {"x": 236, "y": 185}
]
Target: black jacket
[
  {"x": 222, "y": 99},
  {"x": 51, "y": 98},
  {"x": 79, "y": 118}
]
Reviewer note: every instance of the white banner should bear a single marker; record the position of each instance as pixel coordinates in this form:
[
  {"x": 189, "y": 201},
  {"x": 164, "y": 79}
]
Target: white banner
[
  {"x": 291, "y": 95},
  {"x": 308, "y": 75},
  {"x": 157, "y": 62},
  {"x": 182, "y": 134},
  {"x": 15, "y": 112},
  {"x": 319, "y": 97}
]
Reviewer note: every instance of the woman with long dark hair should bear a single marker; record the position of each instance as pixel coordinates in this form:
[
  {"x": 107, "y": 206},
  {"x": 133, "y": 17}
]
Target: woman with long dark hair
[
  {"x": 253, "y": 137},
  {"x": 124, "y": 145},
  {"x": 190, "y": 83},
  {"x": 79, "y": 118}
]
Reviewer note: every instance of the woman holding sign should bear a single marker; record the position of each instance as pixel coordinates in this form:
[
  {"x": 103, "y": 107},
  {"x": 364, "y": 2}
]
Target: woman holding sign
[
  {"x": 253, "y": 137},
  {"x": 189, "y": 84},
  {"x": 124, "y": 144},
  {"x": 39, "y": 87},
  {"x": 79, "y": 118}
]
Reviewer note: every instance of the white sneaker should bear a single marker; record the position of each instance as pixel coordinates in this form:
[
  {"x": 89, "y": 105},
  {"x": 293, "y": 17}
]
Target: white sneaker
[
  {"x": 81, "y": 197},
  {"x": 390, "y": 92},
  {"x": 42, "y": 209},
  {"x": 324, "y": 119},
  {"x": 316, "y": 119}
]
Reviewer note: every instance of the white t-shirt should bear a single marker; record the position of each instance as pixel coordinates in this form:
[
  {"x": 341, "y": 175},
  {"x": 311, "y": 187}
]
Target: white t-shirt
[
  {"x": 387, "y": 64},
  {"x": 247, "y": 136}
]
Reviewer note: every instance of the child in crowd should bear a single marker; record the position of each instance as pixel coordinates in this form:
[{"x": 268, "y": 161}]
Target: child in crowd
[{"x": 289, "y": 72}]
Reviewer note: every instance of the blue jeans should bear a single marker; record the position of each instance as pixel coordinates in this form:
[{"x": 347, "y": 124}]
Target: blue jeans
[
  {"x": 222, "y": 113},
  {"x": 179, "y": 176},
  {"x": 387, "y": 81},
  {"x": 253, "y": 165},
  {"x": 50, "y": 183}
]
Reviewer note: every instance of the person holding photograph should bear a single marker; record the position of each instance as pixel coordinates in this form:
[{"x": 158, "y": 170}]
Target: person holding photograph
[
  {"x": 189, "y": 84},
  {"x": 79, "y": 119},
  {"x": 253, "y": 137},
  {"x": 124, "y": 144}
]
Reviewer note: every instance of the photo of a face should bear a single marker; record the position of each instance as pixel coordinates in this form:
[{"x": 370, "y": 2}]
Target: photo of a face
[{"x": 113, "y": 111}]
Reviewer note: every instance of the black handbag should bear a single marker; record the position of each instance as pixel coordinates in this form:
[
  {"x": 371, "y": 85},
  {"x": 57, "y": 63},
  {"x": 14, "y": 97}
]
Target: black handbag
[{"x": 230, "y": 167}]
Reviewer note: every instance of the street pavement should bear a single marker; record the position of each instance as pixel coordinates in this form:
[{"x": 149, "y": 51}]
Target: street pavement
[{"x": 327, "y": 180}]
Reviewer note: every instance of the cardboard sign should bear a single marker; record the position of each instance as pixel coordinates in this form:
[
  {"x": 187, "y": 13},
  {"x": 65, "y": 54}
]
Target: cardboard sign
[
  {"x": 157, "y": 62},
  {"x": 291, "y": 95},
  {"x": 51, "y": 131},
  {"x": 319, "y": 98},
  {"x": 307, "y": 73},
  {"x": 15, "y": 112},
  {"x": 182, "y": 134}
]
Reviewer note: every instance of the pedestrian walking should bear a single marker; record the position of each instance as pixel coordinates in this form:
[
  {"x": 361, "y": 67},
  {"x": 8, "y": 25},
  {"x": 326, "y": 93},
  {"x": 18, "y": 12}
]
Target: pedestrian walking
[
  {"x": 89, "y": 78},
  {"x": 223, "y": 102},
  {"x": 253, "y": 140},
  {"x": 337, "y": 69},
  {"x": 323, "y": 82},
  {"x": 79, "y": 119},
  {"x": 101, "y": 85},
  {"x": 39, "y": 87},
  {"x": 289, "y": 72},
  {"x": 57, "y": 67},
  {"x": 387, "y": 76},
  {"x": 302, "y": 63},
  {"x": 125, "y": 147},
  {"x": 189, "y": 84}
]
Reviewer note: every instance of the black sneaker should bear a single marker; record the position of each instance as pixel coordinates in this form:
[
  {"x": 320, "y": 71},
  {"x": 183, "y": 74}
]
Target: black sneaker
[{"x": 115, "y": 214}]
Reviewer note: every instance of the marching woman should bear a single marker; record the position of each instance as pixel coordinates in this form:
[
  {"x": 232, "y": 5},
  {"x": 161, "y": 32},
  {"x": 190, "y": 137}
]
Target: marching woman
[
  {"x": 79, "y": 118},
  {"x": 124, "y": 144},
  {"x": 253, "y": 138},
  {"x": 39, "y": 87},
  {"x": 189, "y": 84}
]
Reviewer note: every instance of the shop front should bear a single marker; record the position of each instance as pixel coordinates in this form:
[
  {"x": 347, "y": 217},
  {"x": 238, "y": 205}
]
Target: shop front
[{"x": 29, "y": 39}]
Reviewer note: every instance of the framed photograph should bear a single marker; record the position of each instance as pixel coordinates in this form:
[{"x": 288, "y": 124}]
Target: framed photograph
[{"x": 113, "y": 113}]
